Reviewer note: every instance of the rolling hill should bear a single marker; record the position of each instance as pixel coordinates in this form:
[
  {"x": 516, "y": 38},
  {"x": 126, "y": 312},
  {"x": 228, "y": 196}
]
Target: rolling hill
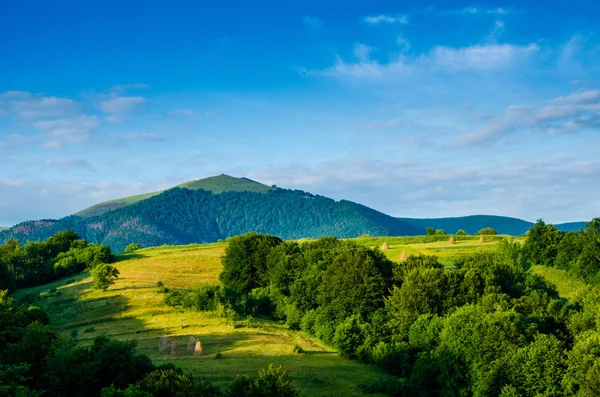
[{"x": 215, "y": 208}]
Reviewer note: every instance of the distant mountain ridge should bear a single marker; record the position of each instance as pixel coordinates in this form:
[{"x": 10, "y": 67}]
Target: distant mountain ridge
[{"x": 219, "y": 207}]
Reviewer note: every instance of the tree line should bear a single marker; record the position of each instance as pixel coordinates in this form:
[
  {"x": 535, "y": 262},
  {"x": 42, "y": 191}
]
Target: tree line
[
  {"x": 486, "y": 326},
  {"x": 39, "y": 262}
]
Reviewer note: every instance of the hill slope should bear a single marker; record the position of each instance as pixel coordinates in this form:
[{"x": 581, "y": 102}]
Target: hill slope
[
  {"x": 184, "y": 216},
  {"x": 216, "y": 184}
]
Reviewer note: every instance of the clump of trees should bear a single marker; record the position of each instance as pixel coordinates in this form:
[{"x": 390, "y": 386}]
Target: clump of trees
[
  {"x": 485, "y": 326},
  {"x": 35, "y": 361},
  {"x": 39, "y": 262},
  {"x": 578, "y": 253},
  {"x": 487, "y": 231}
]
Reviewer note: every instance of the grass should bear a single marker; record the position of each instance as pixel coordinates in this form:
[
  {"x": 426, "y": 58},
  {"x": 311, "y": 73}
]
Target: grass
[
  {"x": 445, "y": 251},
  {"x": 566, "y": 285},
  {"x": 133, "y": 310}
]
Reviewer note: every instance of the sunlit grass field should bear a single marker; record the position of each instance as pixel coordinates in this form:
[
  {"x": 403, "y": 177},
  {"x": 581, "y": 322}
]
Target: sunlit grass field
[{"x": 132, "y": 309}]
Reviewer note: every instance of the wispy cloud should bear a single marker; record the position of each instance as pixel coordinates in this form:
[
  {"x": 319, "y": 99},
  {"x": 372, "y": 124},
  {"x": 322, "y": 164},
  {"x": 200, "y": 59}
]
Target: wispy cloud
[
  {"x": 478, "y": 10},
  {"x": 495, "y": 56},
  {"x": 121, "y": 104},
  {"x": 126, "y": 87},
  {"x": 567, "y": 114},
  {"x": 73, "y": 130},
  {"x": 71, "y": 163},
  {"x": 142, "y": 136},
  {"x": 34, "y": 106},
  {"x": 375, "y": 20},
  {"x": 476, "y": 57}
]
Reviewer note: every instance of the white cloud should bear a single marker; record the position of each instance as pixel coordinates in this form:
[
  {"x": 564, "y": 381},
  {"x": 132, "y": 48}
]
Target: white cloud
[
  {"x": 52, "y": 145},
  {"x": 495, "y": 56},
  {"x": 402, "y": 42},
  {"x": 75, "y": 130},
  {"x": 473, "y": 10},
  {"x": 477, "y": 57},
  {"x": 121, "y": 104},
  {"x": 573, "y": 113},
  {"x": 29, "y": 106},
  {"x": 375, "y": 20}
]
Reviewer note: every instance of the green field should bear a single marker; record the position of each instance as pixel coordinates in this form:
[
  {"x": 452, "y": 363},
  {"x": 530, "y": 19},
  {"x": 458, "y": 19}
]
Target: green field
[{"x": 132, "y": 309}]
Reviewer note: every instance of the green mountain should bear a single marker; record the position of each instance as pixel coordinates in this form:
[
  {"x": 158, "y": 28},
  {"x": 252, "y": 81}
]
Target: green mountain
[
  {"x": 216, "y": 184},
  {"x": 211, "y": 209},
  {"x": 227, "y": 207}
]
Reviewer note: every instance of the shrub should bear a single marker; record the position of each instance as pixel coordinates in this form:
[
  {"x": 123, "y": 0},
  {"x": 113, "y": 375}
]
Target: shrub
[
  {"x": 488, "y": 231},
  {"x": 133, "y": 247},
  {"x": 462, "y": 233},
  {"x": 104, "y": 276}
]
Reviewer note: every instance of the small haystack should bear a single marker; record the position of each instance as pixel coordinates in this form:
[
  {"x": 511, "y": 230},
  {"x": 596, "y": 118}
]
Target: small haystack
[
  {"x": 452, "y": 240},
  {"x": 164, "y": 345},
  {"x": 404, "y": 256},
  {"x": 198, "y": 349},
  {"x": 191, "y": 343},
  {"x": 385, "y": 246},
  {"x": 174, "y": 351},
  {"x": 482, "y": 239}
]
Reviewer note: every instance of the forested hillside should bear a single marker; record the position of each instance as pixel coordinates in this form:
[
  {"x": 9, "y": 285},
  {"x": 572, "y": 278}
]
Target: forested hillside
[
  {"x": 473, "y": 223},
  {"x": 183, "y": 216}
]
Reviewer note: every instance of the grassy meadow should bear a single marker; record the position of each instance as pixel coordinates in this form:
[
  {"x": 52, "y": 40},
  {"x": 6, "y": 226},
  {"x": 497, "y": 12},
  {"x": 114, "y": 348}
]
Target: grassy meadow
[{"x": 132, "y": 309}]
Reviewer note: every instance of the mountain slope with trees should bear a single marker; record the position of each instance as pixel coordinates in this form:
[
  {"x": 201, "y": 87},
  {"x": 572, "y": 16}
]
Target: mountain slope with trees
[{"x": 183, "y": 216}]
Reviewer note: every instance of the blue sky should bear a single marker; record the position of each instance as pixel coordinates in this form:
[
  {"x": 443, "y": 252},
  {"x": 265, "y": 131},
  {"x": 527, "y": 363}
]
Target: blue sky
[{"x": 438, "y": 109}]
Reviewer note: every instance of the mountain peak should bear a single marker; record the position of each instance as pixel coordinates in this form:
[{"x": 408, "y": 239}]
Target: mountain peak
[{"x": 216, "y": 184}]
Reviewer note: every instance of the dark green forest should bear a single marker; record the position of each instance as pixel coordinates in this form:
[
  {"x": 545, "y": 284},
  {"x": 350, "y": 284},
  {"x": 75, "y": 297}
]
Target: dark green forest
[
  {"x": 483, "y": 327},
  {"x": 183, "y": 216}
]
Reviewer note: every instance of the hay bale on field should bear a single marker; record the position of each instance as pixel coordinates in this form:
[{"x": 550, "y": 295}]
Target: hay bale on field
[
  {"x": 191, "y": 343},
  {"x": 452, "y": 240},
  {"x": 385, "y": 246},
  {"x": 163, "y": 344},
  {"x": 404, "y": 256},
  {"x": 198, "y": 351},
  {"x": 482, "y": 239},
  {"x": 174, "y": 351}
]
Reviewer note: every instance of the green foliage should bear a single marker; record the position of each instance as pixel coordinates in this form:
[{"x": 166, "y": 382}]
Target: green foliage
[
  {"x": 461, "y": 233},
  {"x": 133, "y": 247},
  {"x": 104, "y": 276},
  {"x": 273, "y": 381},
  {"x": 36, "y": 263},
  {"x": 245, "y": 261},
  {"x": 184, "y": 216},
  {"x": 487, "y": 231},
  {"x": 430, "y": 231}
]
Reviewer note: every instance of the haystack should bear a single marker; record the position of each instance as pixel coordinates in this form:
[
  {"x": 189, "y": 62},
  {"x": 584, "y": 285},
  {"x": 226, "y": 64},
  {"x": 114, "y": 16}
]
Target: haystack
[
  {"x": 174, "y": 349},
  {"x": 191, "y": 343},
  {"x": 452, "y": 240},
  {"x": 404, "y": 256},
  {"x": 482, "y": 239},
  {"x": 198, "y": 349},
  {"x": 385, "y": 246},
  {"x": 164, "y": 345}
]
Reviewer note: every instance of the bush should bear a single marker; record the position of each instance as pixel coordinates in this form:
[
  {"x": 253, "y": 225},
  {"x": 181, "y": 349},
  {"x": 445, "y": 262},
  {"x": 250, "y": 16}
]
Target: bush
[
  {"x": 274, "y": 382},
  {"x": 132, "y": 247},
  {"x": 462, "y": 233},
  {"x": 104, "y": 276},
  {"x": 488, "y": 231}
]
